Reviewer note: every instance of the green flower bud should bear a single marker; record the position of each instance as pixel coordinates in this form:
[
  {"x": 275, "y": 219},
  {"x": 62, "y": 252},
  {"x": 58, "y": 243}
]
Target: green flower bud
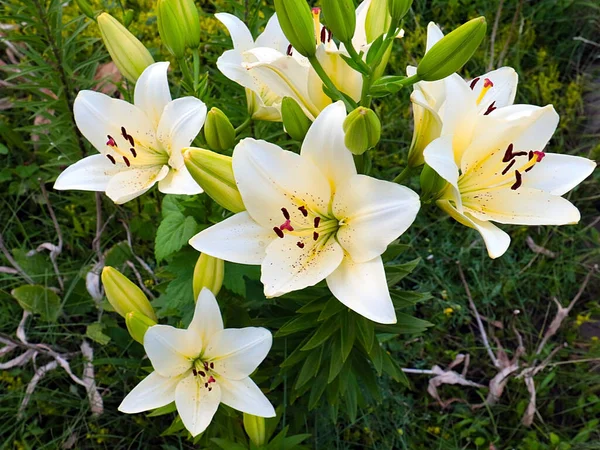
[
  {"x": 123, "y": 295},
  {"x": 451, "y": 52},
  {"x": 208, "y": 273},
  {"x": 363, "y": 130},
  {"x": 137, "y": 325},
  {"x": 294, "y": 120},
  {"x": 398, "y": 9},
  {"x": 128, "y": 17},
  {"x": 340, "y": 18},
  {"x": 86, "y": 9},
  {"x": 214, "y": 173},
  {"x": 127, "y": 52},
  {"x": 378, "y": 20},
  {"x": 178, "y": 25},
  {"x": 218, "y": 131},
  {"x": 432, "y": 184},
  {"x": 255, "y": 428},
  {"x": 296, "y": 21}
]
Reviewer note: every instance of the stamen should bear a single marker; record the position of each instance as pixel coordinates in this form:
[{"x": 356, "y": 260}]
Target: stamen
[
  {"x": 323, "y": 35},
  {"x": 508, "y": 155},
  {"x": 127, "y": 137},
  {"x": 126, "y": 161},
  {"x": 303, "y": 210},
  {"x": 195, "y": 372},
  {"x": 124, "y": 132},
  {"x": 111, "y": 159},
  {"x": 278, "y": 232},
  {"x": 286, "y": 214},
  {"x": 317, "y": 221},
  {"x": 111, "y": 142},
  {"x": 133, "y": 152},
  {"x": 205, "y": 385},
  {"x": 329, "y": 35},
  {"x": 209, "y": 389},
  {"x": 507, "y": 168},
  {"x": 315, "y": 235},
  {"x": 203, "y": 374},
  {"x": 474, "y": 83},
  {"x": 316, "y": 12},
  {"x": 519, "y": 181},
  {"x": 212, "y": 365},
  {"x": 289, "y": 50},
  {"x": 490, "y": 108},
  {"x": 131, "y": 141},
  {"x": 300, "y": 244}
]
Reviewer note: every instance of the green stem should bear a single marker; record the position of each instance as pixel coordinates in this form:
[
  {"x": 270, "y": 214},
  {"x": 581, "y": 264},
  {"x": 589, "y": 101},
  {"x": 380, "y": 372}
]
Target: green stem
[
  {"x": 403, "y": 175},
  {"x": 185, "y": 71},
  {"x": 243, "y": 126},
  {"x": 356, "y": 57},
  {"x": 196, "y": 55},
  {"x": 327, "y": 82}
]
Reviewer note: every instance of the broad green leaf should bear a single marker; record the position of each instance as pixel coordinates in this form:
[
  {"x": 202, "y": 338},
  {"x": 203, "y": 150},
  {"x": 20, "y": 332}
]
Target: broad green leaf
[
  {"x": 179, "y": 294},
  {"x": 39, "y": 300},
  {"x": 174, "y": 232},
  {"x": 94, "y": 332},
  {"x": 236, "y": 274}
]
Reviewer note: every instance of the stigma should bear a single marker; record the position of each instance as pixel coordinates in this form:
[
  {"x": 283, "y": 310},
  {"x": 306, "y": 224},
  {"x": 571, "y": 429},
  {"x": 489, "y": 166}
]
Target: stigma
[{"x": 487, "y": 85}]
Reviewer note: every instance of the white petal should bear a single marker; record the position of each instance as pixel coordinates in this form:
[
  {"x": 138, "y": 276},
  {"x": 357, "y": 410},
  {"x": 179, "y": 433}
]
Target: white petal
[
  {"x": 151, "y": 93},
  {"x": 244, "y": 395},
  {"x": 428, "y": 126},
  {"x": 439, "y": 155},
  {"x": 459, "y": 112},
  {"x": 363, "y": 288},
  {"x": 196, "y": 405},
  {"x": 179, "y": 182},
  {"x": 434, "y": 34},
  {"x": 496, "y": 240},
  {"x": 171, "y": 350},
  {"x": 152, "y": 392},
  {"x": 237, "y": 239},
  {"x": 374, "y": 213},
  {"x": 558, "y": 174},
  {"x": 132, "y": 183},
  {"x": 207, "y": 319},
  {"x": 240, "y": 34},
  {"x": 180, "y": 123},
  {"x": 89, "y": 174},
  {"x": 270, "y": 178},
  {"x": 273, "y": 36},
  {"x": 501, "y": 93},
  {"x": 344, "y": 77},
  {"x": 524, "y": 206},
  {"x": 360, "y": 33},
  {"x": 230, "y": 63},
  {"x": 287, "y": 267},
  {"x": 324, "y": 145},
  {"x": 99, "y": 116},
  {"x": 237, "y": 352}
]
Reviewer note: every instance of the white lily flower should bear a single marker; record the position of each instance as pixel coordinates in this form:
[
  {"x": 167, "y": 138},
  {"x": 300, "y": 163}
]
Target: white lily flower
[
  {"x": 449, "y": 106},
  {"x": 202, "y": 366},
  {"x": 502, "y": 174},
  {"x": 139, "y": 144},
  {"x": 312, "y": 217}
]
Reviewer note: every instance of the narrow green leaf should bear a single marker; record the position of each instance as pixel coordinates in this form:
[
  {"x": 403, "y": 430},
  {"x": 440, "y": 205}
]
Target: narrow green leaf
[
  {"x": 405, "y": 324},
  {"x": 317, "y": 390},
  {"x": 366, "y": 332},
  {"x": 296, "y": 324},
  {"x": 406, "y": 299},
  {"x": 332, "y": 307},
  {"x": 395, "y": 273},
  {"x": 335, "y": 359},
  {"x": 348, "y": 334},
  {"x": 326, "y": 329},
  {"x": 310, "y": 367}
]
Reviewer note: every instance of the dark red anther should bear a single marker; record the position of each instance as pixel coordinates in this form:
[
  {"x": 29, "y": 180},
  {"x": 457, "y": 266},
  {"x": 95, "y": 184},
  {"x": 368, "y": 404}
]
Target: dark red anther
[
  {"x": 205, "y": 385},
  {"x": 508, "y": 155},
  {"x": 126, "y": 161},
  {"x": 518, "y": 182},
  {"x": 487, "y": 83},
  {"x": 490, "y": 109},
  {"x": 111, "y": 159},
  {"x": 474, "y": 83},
  {"x": 323, "y": 35},
  {"x": 111, "y": 141},
  {"x": 124, "y": 132},
  {"x": 203, "y": 374},
  {"x": 133, "y": 152},
  {"x": 286, "y": 226},
  {"x": 195, "y": 372},
  {"x": 286, "y": 214},
  {"x": 278, "y": 232},
  {"x": 303, "y": 210},
  {"x": 329, "y": 35},
  {"x": 507, "y": 168},
  {"x": 212, "y": 365},
  {"x": 209, "y": 389},
  {"x": 130, "y": 139},
  {"x": 315, "y": 235},
  {"x": 317, "y": 221},
  {"x": 289, "y": 50},
  {"x": 300, "y": 244}
]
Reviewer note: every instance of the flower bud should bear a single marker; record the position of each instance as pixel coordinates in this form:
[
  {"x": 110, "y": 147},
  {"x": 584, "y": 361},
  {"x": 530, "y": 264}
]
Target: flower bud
[
  {"x": 451, "y": 52},
  {"x": 294, "y": 120},
  {"x": 340, "y": 18},
  {"x": 218, "y": 131},
  {"x": 214, "y": 173},
  {"x": 297, "y": 24},
  {"x": 86, "y": 9},
  {"x": 398, "y": 9},
  {"x": 363, "y": 130},
  {"x": 431, "y": 184},
  {"x": 137, "y": 325},
  {"x": 123, "y": 295},
  {"x": 208, "y": 273},
  {"x": 428, "y": 127},
  {"x": 178, "y": 25},
  {"x": 255, "y": 428},
  {"x": 378, "y": 20},
  {"x": 127, "y": 52}
]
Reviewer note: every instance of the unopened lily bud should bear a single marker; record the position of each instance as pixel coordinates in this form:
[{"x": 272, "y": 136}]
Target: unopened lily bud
[
  {"x": 128, "y": 17},
  {"x": 363, "y": 130},
  {"x": 208, "y": 273},
  {"x": 452, "y": 52},
  {"x": 178, "y": 25},
  {"x": 214, "y": 173},
  {"x": 127, "y": 52},
  {"x": 218, "y": 131},
  {"x": 296, "y": 21},
  {"x": 340, "y": 18},
  {"x": 431, "y": 184},
  {"x": 378, "y": 20},
  {"x": 398, "y": 9},
  {"x": 294, "y": 120},
  {"x": 255, "y": 428},
  {"x": 137, "y": 325},
  {"x": 86, "y": 8},
  {"x": 125, "y": 296}
]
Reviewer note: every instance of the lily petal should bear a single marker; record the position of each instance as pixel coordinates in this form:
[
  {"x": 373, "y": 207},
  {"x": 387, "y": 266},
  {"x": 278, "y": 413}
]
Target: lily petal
[
  {"x": 558, "y": 174},
  {"x": 374, "y": 213},
  {"x": 273, "y": 36},
  {"x": 152, "y": 392},
  {"x": 324, "y": 145},
  {"x": 363, "y": 288},
  {"x": 500, "y": 94},
  {"x": 237, "y": 352},
  {"x": 244, "y": 395},
  {"x": 151, "y": 93},
  {"x": 434, "y": 34},
  {"x": 179, "y": 181},
  {"x": 207, "y": 319},
  {"x": 230, "y": 63},
  {"x": 240, "y": 34},
  {"x": 196, "y": 405},
  {"x": 89, "y": 174},
  {"x": 132, "y": 183},
  {"x": 171, "y": 350},
  {"x": 439, "y": 155},
  {"x": 237, "y": 239},
  {"x": 459, "y": 111}
]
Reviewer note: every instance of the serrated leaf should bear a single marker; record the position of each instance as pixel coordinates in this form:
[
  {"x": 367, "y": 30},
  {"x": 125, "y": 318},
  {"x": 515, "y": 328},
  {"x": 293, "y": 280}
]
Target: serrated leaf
[
  {"x": 310, "y": 367},
  {"x": 395, "y": 273},
  {"x": 332, "y": 307},
  {"x": 39, "y": 300},
  {"x": 348, "y": 334},
  {"x": 235, "y": 277},
  {"x": 326, "y": 329},
  {"x": 297, "y": 324},
  {"x": 179, "y": 294},
  {"x": 94, "y": 332},
  {"x": 173, "y": 233},
  {"x": 171, "y": 205}
]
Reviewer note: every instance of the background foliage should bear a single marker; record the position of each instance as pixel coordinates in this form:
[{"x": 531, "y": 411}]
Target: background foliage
[{"x": 48, "y": 52}]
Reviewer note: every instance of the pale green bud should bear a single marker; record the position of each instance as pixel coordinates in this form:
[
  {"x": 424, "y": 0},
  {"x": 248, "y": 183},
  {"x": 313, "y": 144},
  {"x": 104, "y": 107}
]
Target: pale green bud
[
  {"x": 218, "y": 131},
  {"x": 398, "y": 9},
  {"x": 214, "y": 173},
  {"x": 378, "y": 20},
  {"x": 363, "y": 130},
  {"x": 294, "y": 120},
  {"x": 298, "y": 25},
  {"x": 86, "y": 8},
  {"x": 123, "y": 295},
  {"x": 452, "y": 52},
  {"x": 432, "y": 184},
  {"x": 255, "y": 428},
  {"x": 127, "y": 52},
  {"x": 137, "y": 325},
  {"x": 208, "y": 273},
  {"x": 340, "y": 18},
  {"x": 178, "y": 25}
]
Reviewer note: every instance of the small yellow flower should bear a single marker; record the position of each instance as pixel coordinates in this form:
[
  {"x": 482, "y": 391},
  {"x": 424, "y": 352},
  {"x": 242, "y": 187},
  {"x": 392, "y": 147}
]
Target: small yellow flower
[
  {"x": 448, "y": 312},
  {"x": 582, "y": 318}
]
